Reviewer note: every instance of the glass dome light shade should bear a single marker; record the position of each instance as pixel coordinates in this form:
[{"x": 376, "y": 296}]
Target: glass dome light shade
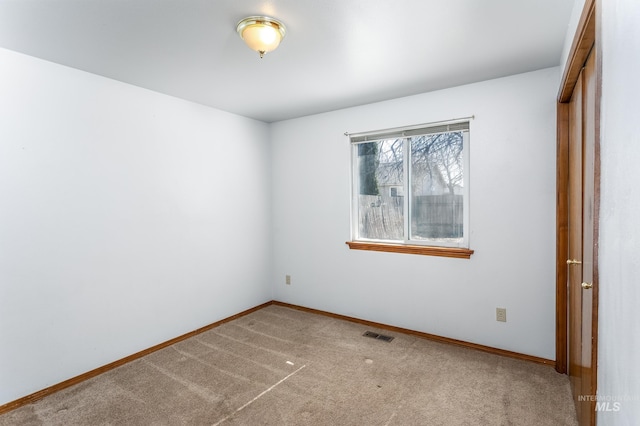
[{"x": 261, "y": 33}]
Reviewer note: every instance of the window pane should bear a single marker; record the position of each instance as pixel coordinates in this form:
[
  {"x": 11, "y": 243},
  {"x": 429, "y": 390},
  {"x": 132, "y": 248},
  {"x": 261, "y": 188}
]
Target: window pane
[
  {"x": 380, "y": 192},
  {"x": 437, "y": 185}
]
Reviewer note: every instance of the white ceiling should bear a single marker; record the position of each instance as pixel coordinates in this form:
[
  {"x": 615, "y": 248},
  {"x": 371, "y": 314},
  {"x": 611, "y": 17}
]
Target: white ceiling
[{"x": 337, "y": 53}]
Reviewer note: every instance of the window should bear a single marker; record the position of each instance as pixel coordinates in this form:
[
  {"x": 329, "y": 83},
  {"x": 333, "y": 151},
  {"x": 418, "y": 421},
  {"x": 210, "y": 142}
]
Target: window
[{"x": 411, "y": 188}]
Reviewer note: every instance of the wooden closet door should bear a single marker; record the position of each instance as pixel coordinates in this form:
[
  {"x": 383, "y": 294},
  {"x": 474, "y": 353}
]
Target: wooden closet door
[
  {"x": 574, "y": 262},
  {"x": 581, "y": 320}
]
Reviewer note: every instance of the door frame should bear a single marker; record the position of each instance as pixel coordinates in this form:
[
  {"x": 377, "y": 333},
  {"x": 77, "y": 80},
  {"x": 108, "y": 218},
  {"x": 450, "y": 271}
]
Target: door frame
[{"x": 587, "y": 37}]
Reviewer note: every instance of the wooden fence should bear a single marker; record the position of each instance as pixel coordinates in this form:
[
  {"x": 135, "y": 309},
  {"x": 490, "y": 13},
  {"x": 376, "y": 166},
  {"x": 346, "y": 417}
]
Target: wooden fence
[
  {"x": 434, "y": 216},
  {"x": 438, "y": 216}
]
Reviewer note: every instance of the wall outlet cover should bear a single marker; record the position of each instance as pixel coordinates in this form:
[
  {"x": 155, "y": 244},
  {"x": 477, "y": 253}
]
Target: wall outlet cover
[{"x": 501, "y": 314}]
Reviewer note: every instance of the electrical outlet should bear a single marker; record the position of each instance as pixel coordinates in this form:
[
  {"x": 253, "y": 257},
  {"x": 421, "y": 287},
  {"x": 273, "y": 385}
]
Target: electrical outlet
[
  {"x": 287, "y": 279},
  {"x": 501, "y": 314}
]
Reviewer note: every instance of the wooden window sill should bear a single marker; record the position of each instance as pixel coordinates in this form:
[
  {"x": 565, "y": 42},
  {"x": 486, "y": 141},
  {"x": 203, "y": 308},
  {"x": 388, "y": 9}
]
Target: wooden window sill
[{"x": 460, "y": 253}]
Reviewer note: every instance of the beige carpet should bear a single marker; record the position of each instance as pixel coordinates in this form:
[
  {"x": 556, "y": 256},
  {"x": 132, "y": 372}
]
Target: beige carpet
[{"x": 280, "y": 366}]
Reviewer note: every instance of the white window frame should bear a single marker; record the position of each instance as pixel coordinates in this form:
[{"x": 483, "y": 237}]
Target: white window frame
[{"x": 406, "y": 133}]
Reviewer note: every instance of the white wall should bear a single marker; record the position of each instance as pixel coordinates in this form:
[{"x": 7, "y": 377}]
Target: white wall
[
  {"x": 619, "y": 301},
  {"x": 126, "y": 218},
  {"x": 512, "y": 219}
]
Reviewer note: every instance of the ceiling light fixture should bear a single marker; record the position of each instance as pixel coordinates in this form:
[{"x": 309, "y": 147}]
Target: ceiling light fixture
[{"x": 261, "y": 33}]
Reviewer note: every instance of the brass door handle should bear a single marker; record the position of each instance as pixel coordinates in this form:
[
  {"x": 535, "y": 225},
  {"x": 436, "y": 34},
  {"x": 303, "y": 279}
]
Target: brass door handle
[
  {"x": 586, "y": 286},
  {"x": 573, "y": 262}
]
